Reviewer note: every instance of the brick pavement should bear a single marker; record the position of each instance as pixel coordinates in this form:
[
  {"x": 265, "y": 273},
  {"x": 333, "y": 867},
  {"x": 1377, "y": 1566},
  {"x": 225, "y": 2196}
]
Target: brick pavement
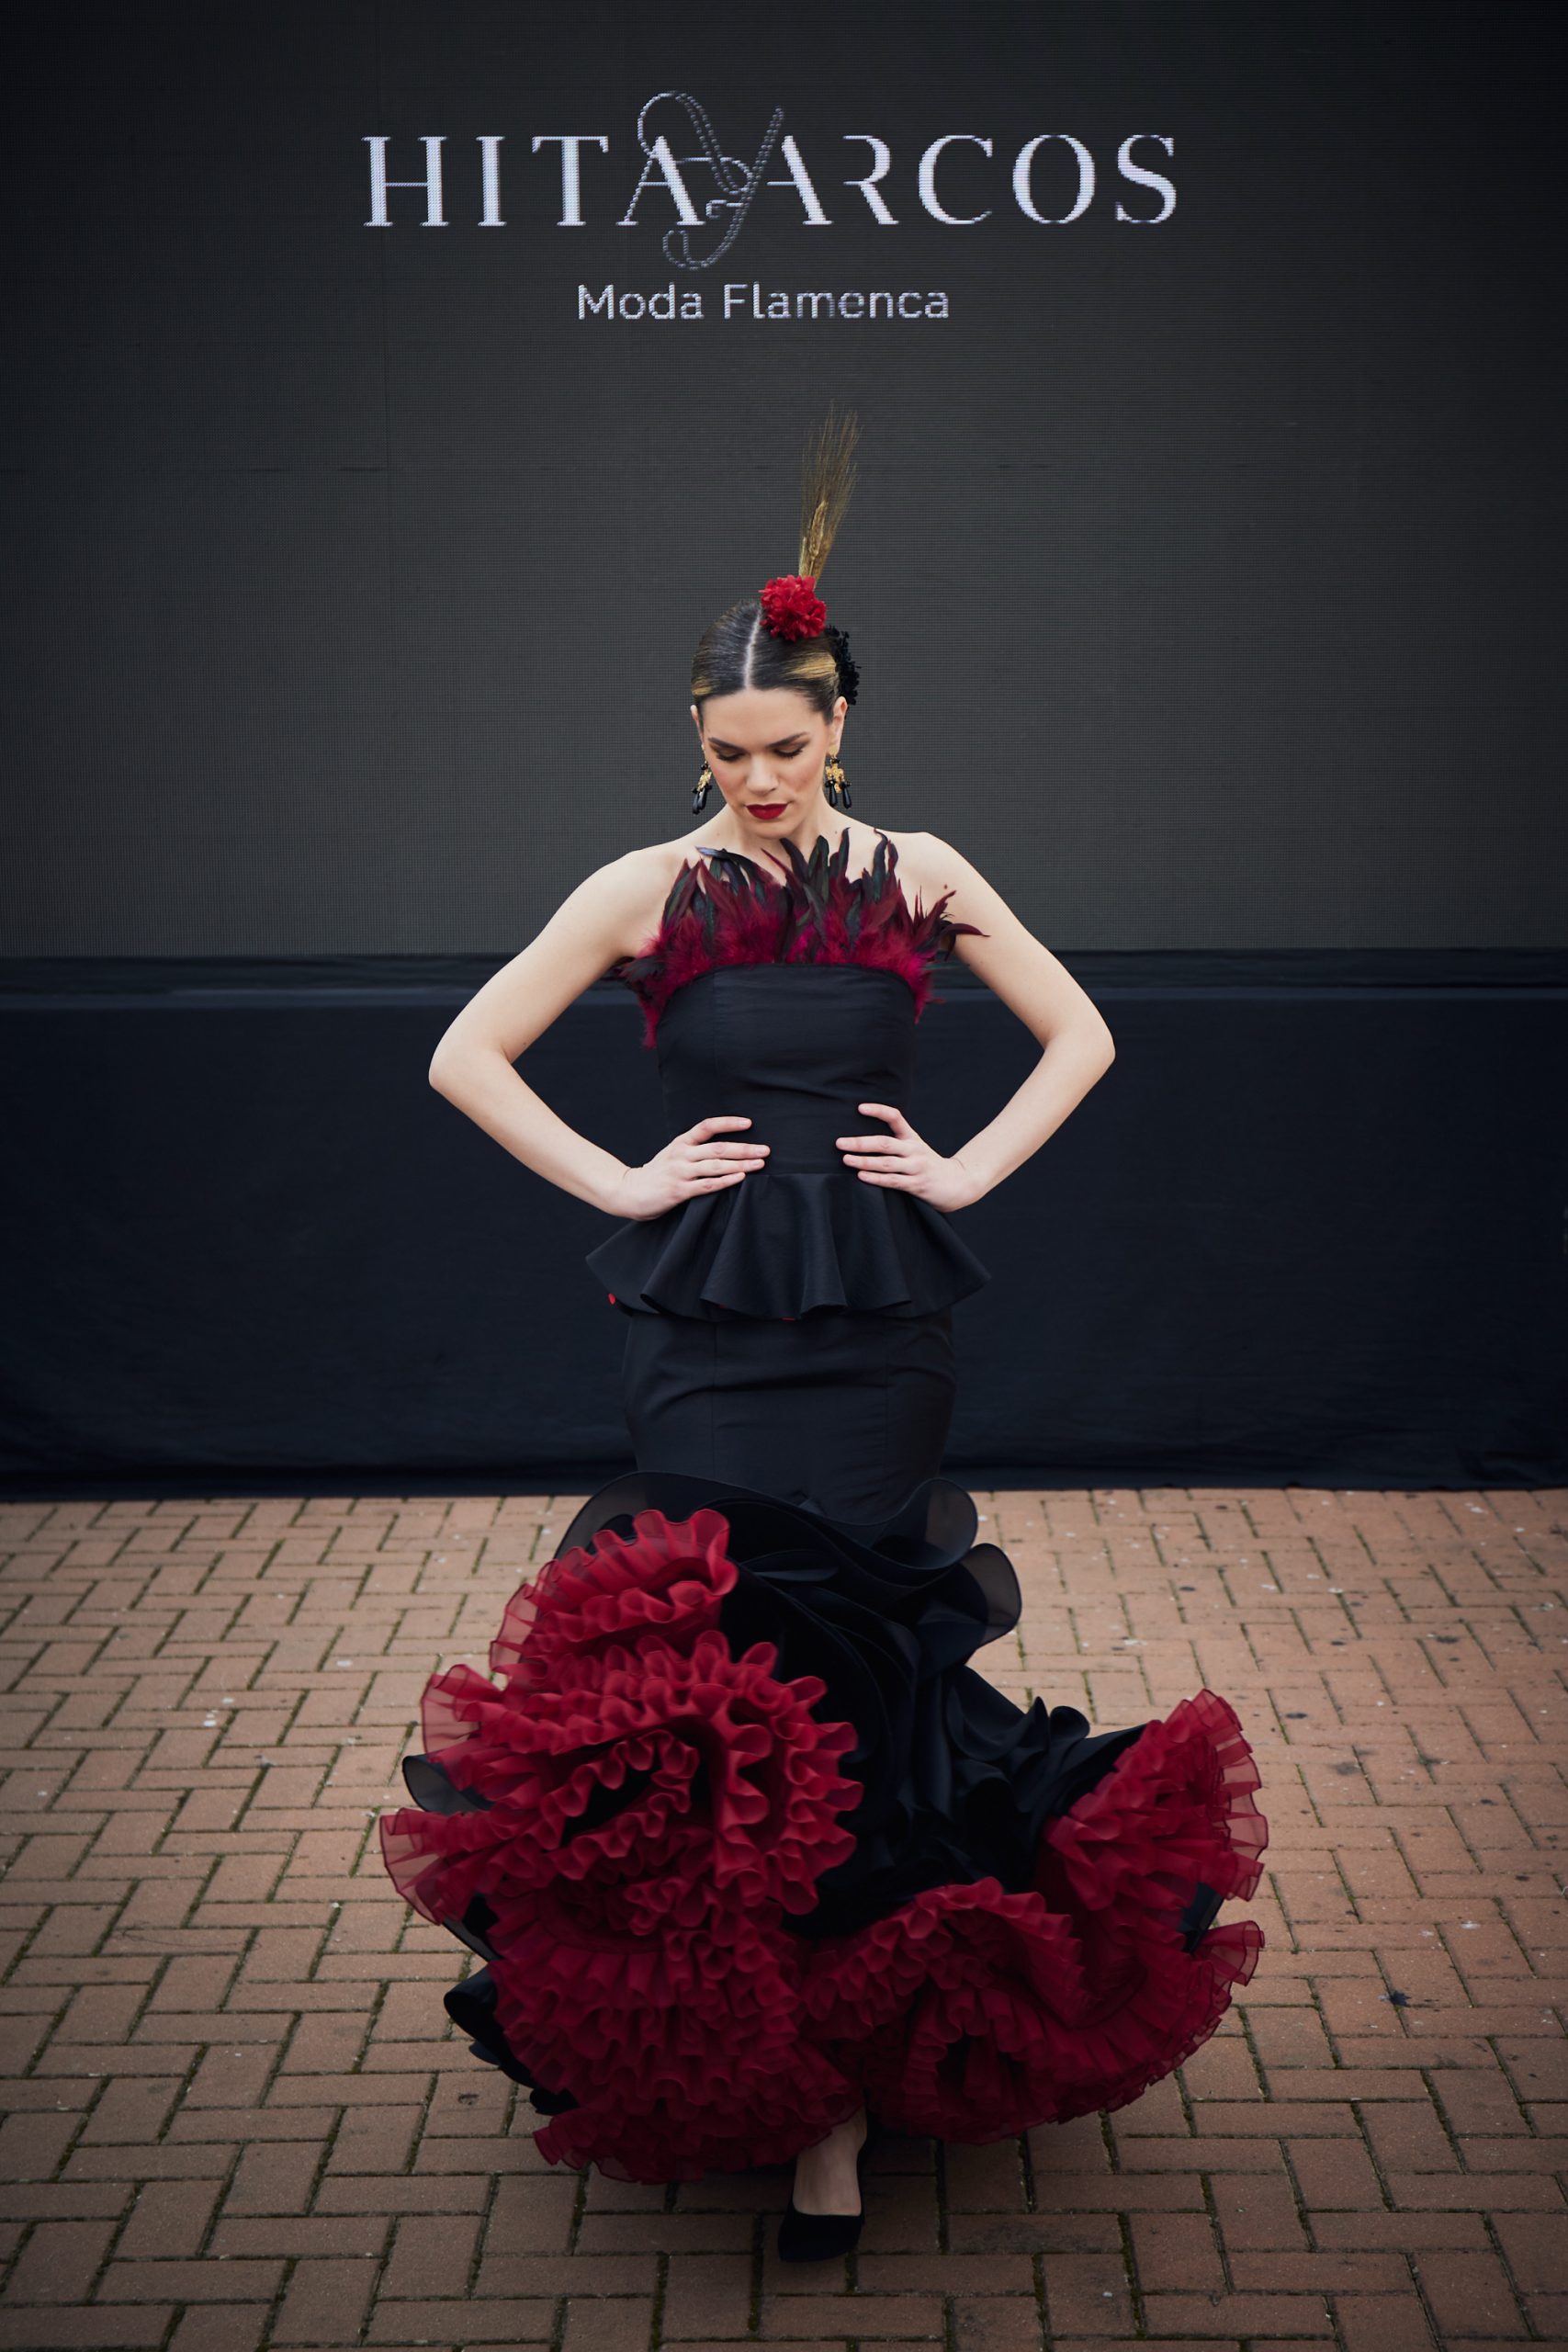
[{"x": 233, "y": 2120}]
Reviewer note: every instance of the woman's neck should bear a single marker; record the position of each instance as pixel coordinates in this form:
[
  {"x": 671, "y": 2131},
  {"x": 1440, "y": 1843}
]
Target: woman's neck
[{"x": 815, "y": 823}]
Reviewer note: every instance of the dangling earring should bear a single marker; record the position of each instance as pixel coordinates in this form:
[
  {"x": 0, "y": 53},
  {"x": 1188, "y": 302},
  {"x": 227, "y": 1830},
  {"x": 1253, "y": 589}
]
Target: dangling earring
[
  {"x": 701, "y": 789},
  {"x": 835, "y": 782}
]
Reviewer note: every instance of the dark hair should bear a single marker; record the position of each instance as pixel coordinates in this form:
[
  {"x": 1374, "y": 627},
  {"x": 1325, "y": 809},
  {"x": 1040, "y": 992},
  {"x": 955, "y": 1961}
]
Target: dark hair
[{"x": 739, "y": 651}]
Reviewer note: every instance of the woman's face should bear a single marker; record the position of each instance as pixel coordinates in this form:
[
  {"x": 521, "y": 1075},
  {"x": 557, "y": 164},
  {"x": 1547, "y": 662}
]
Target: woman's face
[{"x": 766, "y": 747}]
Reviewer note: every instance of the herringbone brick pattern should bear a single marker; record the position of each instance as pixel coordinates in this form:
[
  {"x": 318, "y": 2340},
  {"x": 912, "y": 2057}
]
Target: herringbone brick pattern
[{"x": 235, "y": 2121}]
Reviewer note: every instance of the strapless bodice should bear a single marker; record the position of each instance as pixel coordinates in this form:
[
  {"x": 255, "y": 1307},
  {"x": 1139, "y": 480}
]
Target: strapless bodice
[
  {"x": 794, "y": 1047},
  {"x": 789, "y": 1004}
]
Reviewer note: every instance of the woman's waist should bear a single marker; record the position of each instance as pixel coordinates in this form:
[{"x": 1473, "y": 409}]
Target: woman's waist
[{"x": 804, "y": 1134}]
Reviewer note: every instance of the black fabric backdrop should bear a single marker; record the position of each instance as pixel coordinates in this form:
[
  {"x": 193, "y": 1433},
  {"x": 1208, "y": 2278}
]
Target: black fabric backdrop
[{"x": 1309, "y": 1227}]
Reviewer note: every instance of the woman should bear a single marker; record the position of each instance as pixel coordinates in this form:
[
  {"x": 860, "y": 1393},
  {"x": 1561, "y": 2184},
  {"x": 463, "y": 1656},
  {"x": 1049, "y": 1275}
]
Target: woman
[{"x": 741, "y": 1838}]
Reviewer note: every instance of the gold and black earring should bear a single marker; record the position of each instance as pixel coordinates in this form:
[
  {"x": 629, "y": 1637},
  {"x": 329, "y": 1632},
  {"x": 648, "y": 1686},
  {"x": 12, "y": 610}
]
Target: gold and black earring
[
  {"x": 701, "y": 789},
  {"x": 836, "y": 783}
]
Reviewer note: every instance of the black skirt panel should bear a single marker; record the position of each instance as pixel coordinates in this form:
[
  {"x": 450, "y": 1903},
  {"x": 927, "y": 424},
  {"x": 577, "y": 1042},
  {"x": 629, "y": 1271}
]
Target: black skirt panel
[{"x": 842, "y": 1412}]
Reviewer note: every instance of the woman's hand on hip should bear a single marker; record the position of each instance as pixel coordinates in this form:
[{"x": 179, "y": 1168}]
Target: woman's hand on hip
[
  {"x": 904, "y": 1162},
  {"x": 704, "y": 1158}
]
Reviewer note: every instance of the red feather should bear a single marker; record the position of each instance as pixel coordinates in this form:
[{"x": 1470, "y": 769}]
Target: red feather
[{"x": 728, "y": 910}]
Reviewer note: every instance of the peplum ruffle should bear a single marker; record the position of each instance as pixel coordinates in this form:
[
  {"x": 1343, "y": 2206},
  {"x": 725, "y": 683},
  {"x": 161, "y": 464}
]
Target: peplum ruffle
[
  {"x": 742, "y": 1838},
  {"x": 782, "y": 1244}
]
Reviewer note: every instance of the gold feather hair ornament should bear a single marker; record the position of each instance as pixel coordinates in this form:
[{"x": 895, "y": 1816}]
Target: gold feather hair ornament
[
  {"x": 827, "y": 481},
  {"x": 791, "y": 608}
]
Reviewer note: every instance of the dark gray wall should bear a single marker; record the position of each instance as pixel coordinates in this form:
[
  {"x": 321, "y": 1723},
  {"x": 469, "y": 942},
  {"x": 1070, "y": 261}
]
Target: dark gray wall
[{"x": 1204, "y": 575}]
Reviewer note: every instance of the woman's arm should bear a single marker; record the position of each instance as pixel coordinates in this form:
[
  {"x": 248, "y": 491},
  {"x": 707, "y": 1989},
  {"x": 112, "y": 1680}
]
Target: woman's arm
[
  {"x": 604, "y": 918},
  {"x": 1078, "y": 1045}
]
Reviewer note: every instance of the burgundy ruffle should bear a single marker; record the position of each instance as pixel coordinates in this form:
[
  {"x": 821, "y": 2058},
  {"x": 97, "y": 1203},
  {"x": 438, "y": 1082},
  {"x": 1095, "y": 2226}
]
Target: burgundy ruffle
[
  {"x": 727, "y": 909},
  {"x": 971, "y": 2013},
  {"x": 640, "y": 1812},
  {"x": 652, "y": 1808},
  {"x": 685, "y": 2053}
]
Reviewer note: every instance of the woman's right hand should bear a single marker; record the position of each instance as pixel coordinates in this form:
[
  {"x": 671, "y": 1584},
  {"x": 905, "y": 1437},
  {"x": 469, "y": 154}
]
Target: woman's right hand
[{"x": 704, "y": 1158}]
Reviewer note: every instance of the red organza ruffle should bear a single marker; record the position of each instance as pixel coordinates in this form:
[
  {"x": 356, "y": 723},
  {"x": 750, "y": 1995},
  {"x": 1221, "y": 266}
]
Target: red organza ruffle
[
  {"x": 651, "y": 1808},
  {"x": 685, "y": 2052},
  {"x": 971, "y": 2013},
  {"x": 668, "y": 1579}
]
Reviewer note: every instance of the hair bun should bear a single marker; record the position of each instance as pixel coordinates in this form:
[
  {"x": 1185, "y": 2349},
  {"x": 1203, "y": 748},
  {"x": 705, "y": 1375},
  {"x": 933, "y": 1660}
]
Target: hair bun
[{"x": 848, "y": 673}]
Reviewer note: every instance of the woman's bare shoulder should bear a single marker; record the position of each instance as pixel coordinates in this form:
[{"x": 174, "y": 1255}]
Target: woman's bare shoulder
[
  {"x": 931, "y": 865},
  {"x": 1002, "y": 950},
  {"x": 627, "y": 894},
  {"x": 937, "y": 869}
]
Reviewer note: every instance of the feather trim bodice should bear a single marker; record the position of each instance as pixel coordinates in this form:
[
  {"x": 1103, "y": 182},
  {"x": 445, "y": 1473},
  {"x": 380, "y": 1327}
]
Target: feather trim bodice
[{"x": 725, "y": 909}]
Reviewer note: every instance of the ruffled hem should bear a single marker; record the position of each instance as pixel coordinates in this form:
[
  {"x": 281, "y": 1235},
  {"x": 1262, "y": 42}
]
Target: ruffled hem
[
  {"x": 742, "y": 1839},
  {"x": 785, "y": 1245},
  {"x": 971, "y": 2013}
]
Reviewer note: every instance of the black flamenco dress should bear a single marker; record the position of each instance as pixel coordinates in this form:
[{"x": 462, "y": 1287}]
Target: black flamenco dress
[{"x": 738, "y": 1835}]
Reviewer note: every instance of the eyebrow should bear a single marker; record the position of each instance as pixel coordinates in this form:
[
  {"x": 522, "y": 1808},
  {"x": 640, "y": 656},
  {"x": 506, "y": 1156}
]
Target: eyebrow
[{"x": 720, "y": 743}]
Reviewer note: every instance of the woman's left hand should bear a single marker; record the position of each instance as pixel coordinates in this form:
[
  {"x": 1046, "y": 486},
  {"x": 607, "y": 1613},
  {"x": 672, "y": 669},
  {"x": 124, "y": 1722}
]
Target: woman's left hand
[{"x": 906, "y": 1162}]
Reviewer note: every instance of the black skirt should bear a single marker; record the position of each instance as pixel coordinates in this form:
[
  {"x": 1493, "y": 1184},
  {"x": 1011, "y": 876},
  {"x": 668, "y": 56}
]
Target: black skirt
[
  {"x": 744, "y": 1840},
  {"x": 840, "y": 1412}
]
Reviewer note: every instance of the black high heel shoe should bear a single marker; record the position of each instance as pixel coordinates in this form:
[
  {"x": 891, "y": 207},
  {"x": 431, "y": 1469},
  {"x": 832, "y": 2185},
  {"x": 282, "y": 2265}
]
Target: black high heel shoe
[{"x": 821, "y": 2237}]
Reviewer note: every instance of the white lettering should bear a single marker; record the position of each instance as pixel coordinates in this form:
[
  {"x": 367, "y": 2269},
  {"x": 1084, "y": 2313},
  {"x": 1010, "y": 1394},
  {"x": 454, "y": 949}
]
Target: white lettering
[
  {"x": 571, "y": 144},
  {"x": 490, "y": 169},
  {"x": 763, "y": 304},
  {"x": 927, "y": 179},
  {"x": 801, "y": 179},
  {"x": 883, "y": 157},
  {"x": 1131, "y": 171},
  {"x": 431, "y": 184},
  {"x": 660, "y": 304},
  {"x": 660, "y": 159},
  {"x": 1020, "y": 180}
]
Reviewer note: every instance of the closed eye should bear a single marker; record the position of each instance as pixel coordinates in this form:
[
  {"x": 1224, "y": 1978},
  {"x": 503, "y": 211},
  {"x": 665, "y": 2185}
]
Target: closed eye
[{"x": 781, "y": 750}]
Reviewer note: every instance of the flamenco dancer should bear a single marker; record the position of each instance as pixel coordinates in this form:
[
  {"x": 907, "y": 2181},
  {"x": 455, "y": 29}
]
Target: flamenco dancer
[{"x": 744, "y": 1844}]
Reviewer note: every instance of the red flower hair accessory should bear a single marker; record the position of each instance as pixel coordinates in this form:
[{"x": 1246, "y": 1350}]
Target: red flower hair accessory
[{"x": 792, "y": 608}]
